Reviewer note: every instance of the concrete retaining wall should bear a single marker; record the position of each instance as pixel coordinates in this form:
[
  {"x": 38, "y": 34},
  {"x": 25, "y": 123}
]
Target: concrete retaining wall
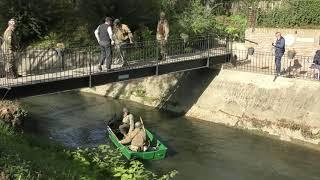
[{"x": 287, "y": 108}]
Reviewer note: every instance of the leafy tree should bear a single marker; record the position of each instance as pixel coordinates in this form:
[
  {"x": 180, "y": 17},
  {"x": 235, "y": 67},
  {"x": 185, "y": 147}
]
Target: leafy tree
[
  {"x": 197, "y": 18},
  {"x": 34, "y": 18}
]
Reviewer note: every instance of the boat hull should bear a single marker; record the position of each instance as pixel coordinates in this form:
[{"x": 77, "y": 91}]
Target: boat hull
[{"x": 157, "y": 152}]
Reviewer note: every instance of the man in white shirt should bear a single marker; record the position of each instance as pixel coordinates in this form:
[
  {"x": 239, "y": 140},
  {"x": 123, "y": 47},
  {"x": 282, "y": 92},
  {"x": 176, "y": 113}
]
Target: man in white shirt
[{"x": 103, "y": 35}]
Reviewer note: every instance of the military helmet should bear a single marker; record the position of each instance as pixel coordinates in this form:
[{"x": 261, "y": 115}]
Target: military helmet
[
  {"x": 138, "y": 125},
  {"x": 12, "y": 21},
  {"x": 162, "y": 14},
  {"x": 125, "y": 110},
  {"x": 116, "y": 21}
]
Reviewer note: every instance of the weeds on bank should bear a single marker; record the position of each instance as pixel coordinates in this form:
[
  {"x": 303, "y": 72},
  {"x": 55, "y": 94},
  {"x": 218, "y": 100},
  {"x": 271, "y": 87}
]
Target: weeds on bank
[
  {"x": 26, "y": 157},
  {"x": 306, "y": 130},
  {"x": 104, "y": 158}
]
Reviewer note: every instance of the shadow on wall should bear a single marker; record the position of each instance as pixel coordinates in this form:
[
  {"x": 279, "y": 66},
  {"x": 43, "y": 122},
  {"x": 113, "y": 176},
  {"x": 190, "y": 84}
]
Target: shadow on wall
[{"x": 187, "y": 91}]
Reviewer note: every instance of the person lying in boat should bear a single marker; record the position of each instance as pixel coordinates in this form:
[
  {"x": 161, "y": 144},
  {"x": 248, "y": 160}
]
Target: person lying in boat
[
  {"x": 127, "y": 122},
  {"x": 137, "y": 138}
]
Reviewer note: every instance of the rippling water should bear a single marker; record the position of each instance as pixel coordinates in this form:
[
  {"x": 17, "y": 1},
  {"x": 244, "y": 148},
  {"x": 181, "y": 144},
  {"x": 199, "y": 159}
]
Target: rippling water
[{"x": 197, "y": 149}]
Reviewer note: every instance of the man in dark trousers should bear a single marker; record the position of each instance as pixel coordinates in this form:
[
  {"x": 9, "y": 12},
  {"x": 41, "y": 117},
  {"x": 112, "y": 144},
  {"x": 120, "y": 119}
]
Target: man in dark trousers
[
  {"x": 279, "y": 51},
  {"x": 104, "y": 37}
]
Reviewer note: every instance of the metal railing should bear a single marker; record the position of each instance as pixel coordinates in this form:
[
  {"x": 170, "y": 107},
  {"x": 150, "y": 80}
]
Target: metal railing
[
  {"x": 42, "y": 65},
  {"x": 301, "y": 67}
]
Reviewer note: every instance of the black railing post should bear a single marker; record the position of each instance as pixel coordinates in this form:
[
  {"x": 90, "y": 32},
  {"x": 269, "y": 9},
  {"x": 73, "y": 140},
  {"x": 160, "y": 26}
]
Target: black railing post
[
  {"x": 157, "y": 50},
  {"x": 208, "y": 49},
  {"x": 157, "y": 56},
  {"x": 90, "y": 66}
]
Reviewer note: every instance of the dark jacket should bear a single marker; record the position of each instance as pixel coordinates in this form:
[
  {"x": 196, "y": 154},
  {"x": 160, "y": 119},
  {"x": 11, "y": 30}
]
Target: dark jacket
[
  {"x": 280, "y": 46},
  {"x": 104, "y": 35},
  {"x": 316, "y": 58}
]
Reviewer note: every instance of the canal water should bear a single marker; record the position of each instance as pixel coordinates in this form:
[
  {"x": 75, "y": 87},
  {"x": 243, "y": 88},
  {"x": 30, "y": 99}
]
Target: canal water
[{"x": 197, "y": 149}]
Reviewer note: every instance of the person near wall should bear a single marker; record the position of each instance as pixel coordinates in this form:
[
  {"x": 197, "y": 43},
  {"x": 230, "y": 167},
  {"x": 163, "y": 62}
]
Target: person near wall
[
  {"x": 103, "y": 34},
  {"x": 162, "y": 35},
  {"x": 316, "y": 63},
  {"x": 8, "y": 47},
  {"x": 279, "y": 51},
  {"x": 122, "y": 37}
]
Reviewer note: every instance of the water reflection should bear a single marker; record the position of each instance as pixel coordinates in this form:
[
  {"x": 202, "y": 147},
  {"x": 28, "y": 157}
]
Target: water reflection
[{"x": 197, "y": 149}]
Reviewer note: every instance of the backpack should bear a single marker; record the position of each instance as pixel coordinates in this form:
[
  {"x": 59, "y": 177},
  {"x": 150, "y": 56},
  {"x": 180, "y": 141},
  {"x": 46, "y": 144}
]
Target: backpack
[{"x": 316, "y": 58}]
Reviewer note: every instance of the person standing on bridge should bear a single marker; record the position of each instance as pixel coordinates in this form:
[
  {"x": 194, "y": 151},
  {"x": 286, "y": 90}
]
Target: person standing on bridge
[
  {"x": 128, "y": 122},
  {"x": 8, "y": 47},
  {"x": 122, "y": 36},
  {"x": 103, "y": 35},
  {"x": 279, "y": 51},
  {"x": 162, "y": 35}
]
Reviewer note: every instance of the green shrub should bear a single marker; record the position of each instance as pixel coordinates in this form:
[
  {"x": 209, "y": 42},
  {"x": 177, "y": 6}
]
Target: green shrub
[
  {"x": 293, "y": 13},
  {"x": 197, "y": 18},
  {"x": 232, "y": 26}
]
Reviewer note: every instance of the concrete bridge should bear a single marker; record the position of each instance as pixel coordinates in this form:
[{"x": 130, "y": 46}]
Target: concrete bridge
[{"x": 44, "y": 71}]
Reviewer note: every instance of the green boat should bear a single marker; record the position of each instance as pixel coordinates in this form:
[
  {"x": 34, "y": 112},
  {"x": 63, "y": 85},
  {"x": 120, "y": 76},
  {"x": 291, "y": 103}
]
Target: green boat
[{"x": 156, "y": 150}]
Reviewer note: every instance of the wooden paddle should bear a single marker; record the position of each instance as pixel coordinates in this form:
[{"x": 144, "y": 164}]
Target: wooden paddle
[{"x": 145, "y": 132}]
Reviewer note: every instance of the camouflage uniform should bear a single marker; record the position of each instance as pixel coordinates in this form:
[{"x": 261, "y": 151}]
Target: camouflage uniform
[
  {"x": 128, "y": 124},
  {"x": 8, "y": 47},
  {"x": 137, "y": 138},
  {"x": 162, "y": 36},
  {"x": 122, "y": 36}
]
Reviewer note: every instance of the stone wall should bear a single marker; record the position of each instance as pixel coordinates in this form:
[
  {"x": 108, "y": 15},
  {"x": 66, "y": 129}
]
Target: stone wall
[
  {"x": 149, "y": 91},
  {"x": 175, "y": 92},
  {"x": 288, "y": 108},
  {"x": 304, "y": 41}
]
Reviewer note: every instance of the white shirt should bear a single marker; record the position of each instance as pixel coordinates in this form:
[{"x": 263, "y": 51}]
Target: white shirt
[{"x": 96, "y": 33}]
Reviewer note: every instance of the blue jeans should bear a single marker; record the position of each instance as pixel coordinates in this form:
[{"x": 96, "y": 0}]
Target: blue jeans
[{"x": 278, "y": 63}]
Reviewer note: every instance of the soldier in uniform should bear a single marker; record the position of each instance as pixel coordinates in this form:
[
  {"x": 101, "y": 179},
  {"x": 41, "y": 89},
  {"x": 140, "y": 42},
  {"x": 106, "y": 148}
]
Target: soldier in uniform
[
  {"x": 122, "y": 36},
  {"x": 162, "y": 35},
  {"x": 8, "y": 48},
  {"x": 137, "y": 137},
  {"x": 127, "y": 122}
]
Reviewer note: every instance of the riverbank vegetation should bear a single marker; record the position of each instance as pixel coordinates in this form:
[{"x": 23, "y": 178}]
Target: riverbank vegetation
[
  {"x": 23, "y": 156},
  {"x": 72, "y": 22},
  {"x": 292, "y": 14}
]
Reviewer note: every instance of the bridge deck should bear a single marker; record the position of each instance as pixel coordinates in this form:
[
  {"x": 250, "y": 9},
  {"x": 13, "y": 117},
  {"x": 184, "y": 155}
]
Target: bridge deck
[
  {"x": 88, "y": 70},
  {"x": 46, "y": 71}
]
